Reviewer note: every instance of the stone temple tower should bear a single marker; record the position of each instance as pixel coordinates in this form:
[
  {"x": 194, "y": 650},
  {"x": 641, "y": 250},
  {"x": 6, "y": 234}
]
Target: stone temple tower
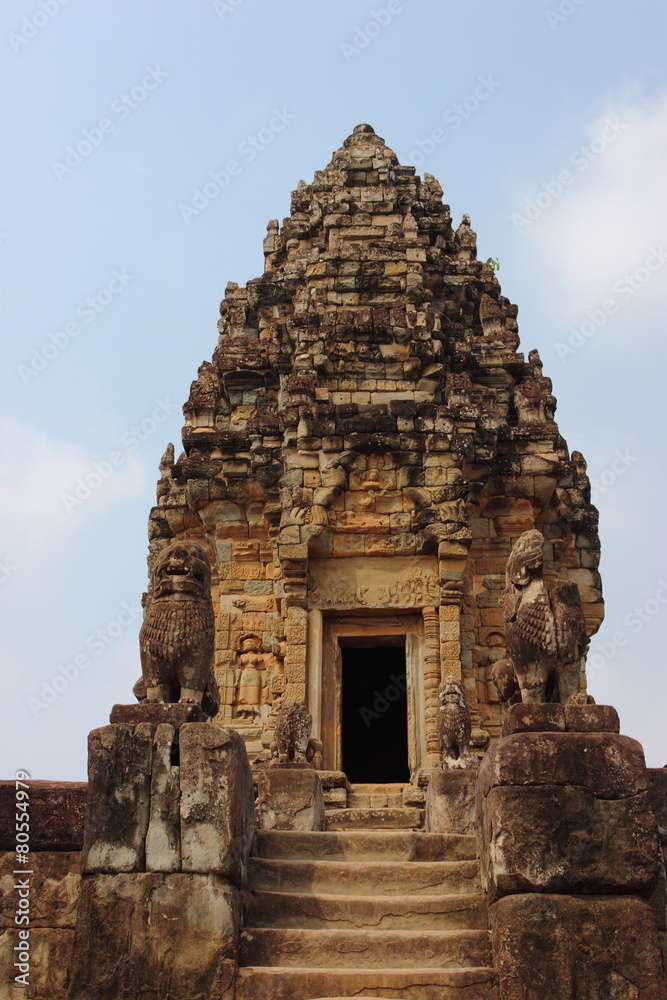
[
  {"x": 359, "y": 457},
  {"x": 363, "y": 761}
]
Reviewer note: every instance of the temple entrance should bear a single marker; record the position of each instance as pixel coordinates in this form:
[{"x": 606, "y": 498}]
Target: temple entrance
[
  {"x": 374, "y": 712},
  {"x": 375, "y": 737}
]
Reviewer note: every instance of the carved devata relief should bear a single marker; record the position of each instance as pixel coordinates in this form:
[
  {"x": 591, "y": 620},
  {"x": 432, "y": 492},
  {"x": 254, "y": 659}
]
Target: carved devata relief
[
  {"x": 258, "y": 682},
  {"x": 339, "y": 584}
]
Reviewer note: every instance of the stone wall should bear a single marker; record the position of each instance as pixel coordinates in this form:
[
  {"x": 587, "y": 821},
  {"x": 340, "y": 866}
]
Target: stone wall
[
  {"x": 56, "y": 836},
  {"x": 168, "y": 830},
  {"x": 570, "y": 858}
]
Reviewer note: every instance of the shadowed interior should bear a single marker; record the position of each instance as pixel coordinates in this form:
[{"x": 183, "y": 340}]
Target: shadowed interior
[{"x": 374, "y": 714}]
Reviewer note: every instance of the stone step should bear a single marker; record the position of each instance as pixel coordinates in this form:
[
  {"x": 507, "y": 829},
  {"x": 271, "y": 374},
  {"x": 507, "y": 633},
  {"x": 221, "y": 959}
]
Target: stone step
[
  {"x": 364, "y": 949},
  {"x": 375, "y": 796},
  {"x": 356, "y": 801},
  {"x": 365, "y": 878},
  {"x": 311, "y": 911},
  {"x": 364, "y": 845},
  {"x": 373, "y": 819},
  {"x": 407, "y": 984}
]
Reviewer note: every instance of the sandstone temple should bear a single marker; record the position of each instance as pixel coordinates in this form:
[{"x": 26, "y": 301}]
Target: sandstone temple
[{"x": 362, "y": 761}]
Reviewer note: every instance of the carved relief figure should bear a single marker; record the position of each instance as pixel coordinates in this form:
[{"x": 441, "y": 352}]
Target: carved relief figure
[
  {"x": 249, "y": 681},
  {"x": 372, "y": 487},
  {"x": 454, "y": 725},
  {"x": 177, "y": 636},
  {"x": 545, "y": 628},
  {"x": 292, "y": 734}
]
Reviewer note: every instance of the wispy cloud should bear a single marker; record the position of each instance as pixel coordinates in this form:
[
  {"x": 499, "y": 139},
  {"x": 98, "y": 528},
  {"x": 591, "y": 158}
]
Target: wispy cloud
[
  {"x": 35, "y": 471},
  {"x": 615, "y": 216}
]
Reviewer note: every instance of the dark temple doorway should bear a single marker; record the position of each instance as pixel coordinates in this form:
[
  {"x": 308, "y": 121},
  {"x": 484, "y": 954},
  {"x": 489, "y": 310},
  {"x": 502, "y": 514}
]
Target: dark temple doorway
[{"x": 374, "y": 713}]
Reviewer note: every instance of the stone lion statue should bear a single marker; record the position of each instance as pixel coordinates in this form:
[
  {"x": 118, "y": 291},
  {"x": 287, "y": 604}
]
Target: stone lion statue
[
  {"x": 177, "y": 636},
  {"x": 545, "y": 628},
  {"x": 454, "y": 725},
  {"x": 292, "y": 734}
]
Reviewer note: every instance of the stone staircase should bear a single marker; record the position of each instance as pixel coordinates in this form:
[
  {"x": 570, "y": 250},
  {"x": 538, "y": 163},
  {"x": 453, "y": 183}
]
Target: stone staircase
[
  {"x": 379, "y": 910},
  {"x": 375, "y": 807}
]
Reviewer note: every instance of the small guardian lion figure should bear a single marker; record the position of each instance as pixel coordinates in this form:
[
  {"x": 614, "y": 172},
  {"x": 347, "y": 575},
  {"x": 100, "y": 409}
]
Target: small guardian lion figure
[
  {"x": 292, "y": 734},
  {"x": 177, "y": 636},
  {"x": 454, "y": 726},
  {"x": 545, "y": 628}
]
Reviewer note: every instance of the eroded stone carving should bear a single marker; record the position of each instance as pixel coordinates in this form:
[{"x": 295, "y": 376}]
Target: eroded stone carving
[
  {"x": 249, "y": 681},
  {"x": 454, "y": 725},
  {"x": 545, "y": 629},
  {"x": 176, "y": 638},
  {"x": 292, "y": 734},
  {"x": 506, "y": 683},
  {"x": 374, "y": 583}
]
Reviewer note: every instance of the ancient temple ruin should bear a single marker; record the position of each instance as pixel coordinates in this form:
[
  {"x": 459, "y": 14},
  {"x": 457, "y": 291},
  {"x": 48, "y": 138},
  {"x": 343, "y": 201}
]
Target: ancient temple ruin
[
  {"x": 359, "y": 457},
  {"x": 362, "y": 761}
]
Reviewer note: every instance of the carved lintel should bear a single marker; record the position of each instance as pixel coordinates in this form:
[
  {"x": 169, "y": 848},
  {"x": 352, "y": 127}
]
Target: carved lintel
[{"x": 373, "y": 582}]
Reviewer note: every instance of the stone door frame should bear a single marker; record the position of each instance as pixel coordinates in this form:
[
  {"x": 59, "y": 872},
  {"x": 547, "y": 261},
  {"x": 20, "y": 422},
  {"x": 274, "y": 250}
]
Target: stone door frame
[{"x": 324, "y": 694}]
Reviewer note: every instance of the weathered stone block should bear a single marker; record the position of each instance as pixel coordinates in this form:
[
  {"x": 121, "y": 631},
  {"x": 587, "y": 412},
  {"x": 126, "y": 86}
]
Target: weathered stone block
[
  {"x": 217, "y": 802},
  {"x": 335, "y": 798},
  {"x": 563, "y": 839},
  {"x": 564, "y": 947},
  {"x": 51, "y": 955},
  {"x": 610, "y": 766},
  {"x": 163, "y": 838},
  {"x": 156, "y": 936},
  {"x": 56, "y": 815},
  {"x": 334, "y": 779},
  {"x": 450, "y": 802},
  {"x": 289, "y": 799},
  {"x": 54, "y": 888},
  {"x": 657, "y": 789},
  {"x": 591, "y": 719},
  {"x": 156, "y": 713},
  {"x": 536, "y": 717},
  {"x": 119, "y": 777},
  {"x": 554, "y": 717},
  {"x": 54, "y": 892}
]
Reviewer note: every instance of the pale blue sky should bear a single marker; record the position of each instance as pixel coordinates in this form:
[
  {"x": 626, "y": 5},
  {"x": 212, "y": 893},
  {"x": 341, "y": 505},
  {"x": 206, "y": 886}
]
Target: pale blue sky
[{"x": 517, "y": 94}]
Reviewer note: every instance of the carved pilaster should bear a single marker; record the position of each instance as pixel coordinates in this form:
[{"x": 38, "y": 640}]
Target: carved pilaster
[
  {"x": 450, "y": 640},
  {"x": 431, "y": 683}
]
